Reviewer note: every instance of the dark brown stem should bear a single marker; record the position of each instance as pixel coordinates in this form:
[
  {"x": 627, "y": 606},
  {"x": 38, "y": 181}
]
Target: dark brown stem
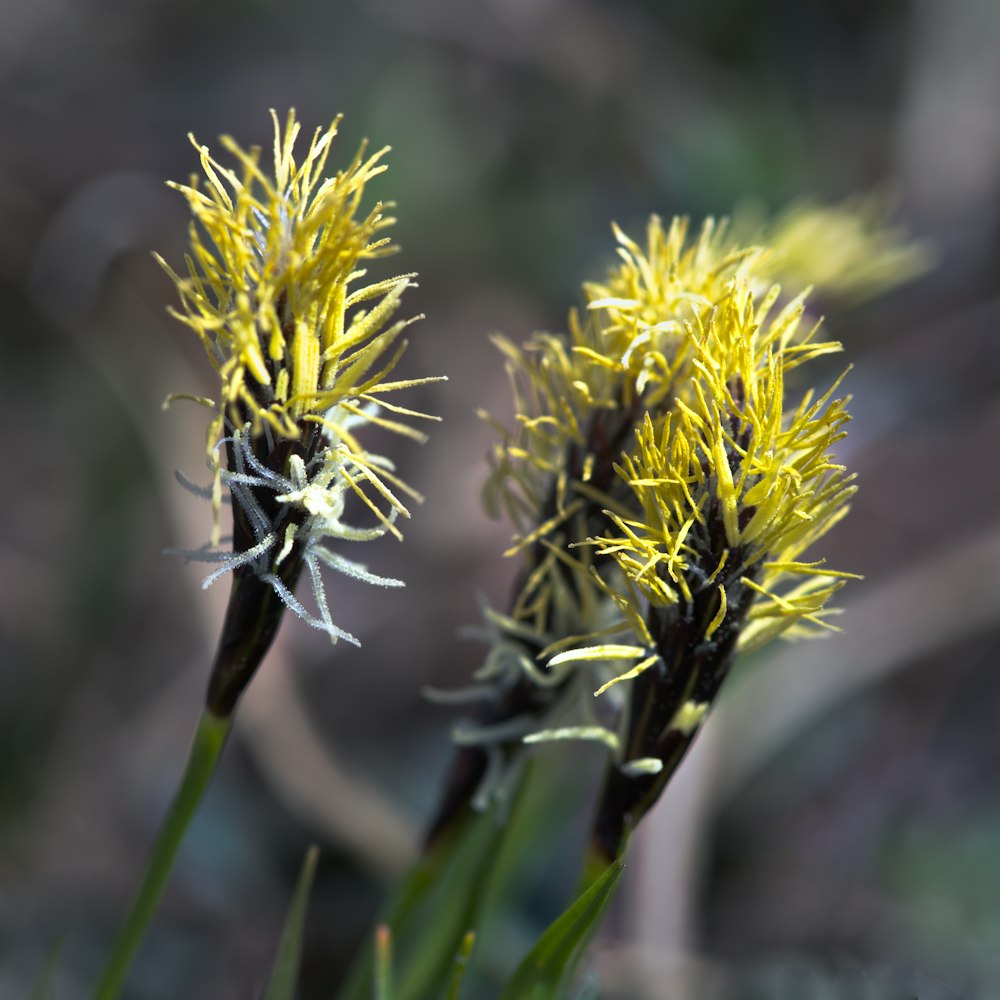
[
  {"x": 254, "y": 612},
  {"x": 251, "y": 623}
]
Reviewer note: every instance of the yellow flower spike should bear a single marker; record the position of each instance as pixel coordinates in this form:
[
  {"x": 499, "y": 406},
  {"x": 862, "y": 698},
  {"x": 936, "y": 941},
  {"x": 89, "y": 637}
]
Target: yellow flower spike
[
  {"x": 272, "y": 258},
  {"x": 303, "y": 350},
  {"x": 659, "y": 483},
  {"x": 760, "y": 474}
]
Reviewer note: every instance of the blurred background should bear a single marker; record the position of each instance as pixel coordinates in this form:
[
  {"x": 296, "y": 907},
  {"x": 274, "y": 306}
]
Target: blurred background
[{"x": 836, "y": 832}]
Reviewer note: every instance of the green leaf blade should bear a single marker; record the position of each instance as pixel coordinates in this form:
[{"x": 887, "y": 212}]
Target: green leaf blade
[
  {"x": 285, "y": 971},
  {"x": 548, "y": 968}
]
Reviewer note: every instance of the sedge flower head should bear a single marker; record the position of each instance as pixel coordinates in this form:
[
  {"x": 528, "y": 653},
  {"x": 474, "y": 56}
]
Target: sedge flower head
[
  {"x": 578, "y": 399},
  {"x": 665, "y": 478},
  {"x": 732, "y": 485},
  {"x": 657, "y": 464},
  {"x": 274, "y": 288},
  {"x": 303, "y": 349}
]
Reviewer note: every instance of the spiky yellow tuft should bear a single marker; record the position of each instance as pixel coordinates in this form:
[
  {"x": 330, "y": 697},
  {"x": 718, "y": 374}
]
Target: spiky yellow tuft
[
  {"x": 732, "y": 484},
  {"x": 273, "y": 289}
]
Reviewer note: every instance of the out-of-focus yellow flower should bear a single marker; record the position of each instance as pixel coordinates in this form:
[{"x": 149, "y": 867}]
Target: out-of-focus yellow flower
[{"x": 849, "y": 250}]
